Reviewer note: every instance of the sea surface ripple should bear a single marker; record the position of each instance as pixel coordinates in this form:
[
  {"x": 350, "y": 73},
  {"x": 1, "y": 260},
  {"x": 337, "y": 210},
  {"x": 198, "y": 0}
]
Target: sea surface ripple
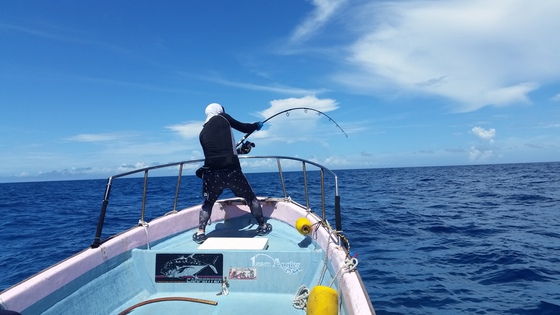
[{"x": 481, "y": 239}]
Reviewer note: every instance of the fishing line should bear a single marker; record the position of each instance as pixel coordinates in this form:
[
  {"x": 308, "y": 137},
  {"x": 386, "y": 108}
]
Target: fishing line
[{"x": 287, "y": 112}]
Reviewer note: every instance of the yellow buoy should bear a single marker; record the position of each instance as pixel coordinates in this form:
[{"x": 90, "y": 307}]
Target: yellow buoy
[
  {"x": 322, "y": 300},
  {"x": 303, "y": 225}
]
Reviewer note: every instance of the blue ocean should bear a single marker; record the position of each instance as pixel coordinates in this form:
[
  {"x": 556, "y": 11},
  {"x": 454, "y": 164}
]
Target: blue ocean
[{"x": 481, "y": 239}]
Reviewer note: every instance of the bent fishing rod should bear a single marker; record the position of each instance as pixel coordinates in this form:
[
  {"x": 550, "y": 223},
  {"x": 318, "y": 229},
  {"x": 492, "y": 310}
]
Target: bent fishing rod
[{"x": 287, "y": 112}]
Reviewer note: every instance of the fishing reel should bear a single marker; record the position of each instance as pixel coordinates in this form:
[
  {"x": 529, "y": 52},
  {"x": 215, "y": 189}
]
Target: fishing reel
[{"x": 246, "y": 147}]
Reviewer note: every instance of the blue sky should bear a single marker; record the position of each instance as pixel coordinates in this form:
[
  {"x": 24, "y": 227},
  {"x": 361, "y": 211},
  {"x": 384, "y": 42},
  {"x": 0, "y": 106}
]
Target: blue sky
[{"x": 89, "y": 89}]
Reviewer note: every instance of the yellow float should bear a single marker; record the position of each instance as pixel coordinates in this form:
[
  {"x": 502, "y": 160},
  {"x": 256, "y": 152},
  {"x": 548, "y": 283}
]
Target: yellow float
[
  {"x": 322, "y": 300},
  {"x": 303, "y": 225}
]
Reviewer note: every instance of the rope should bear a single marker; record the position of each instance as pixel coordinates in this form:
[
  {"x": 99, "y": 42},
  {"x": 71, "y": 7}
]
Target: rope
[
  {"x": 343, "y": 238},
  {"x": 186, "y": 299},
  {"x": 324, "y": 268},
  {"x": 349, "y": 265},
  {"x": 300, "y": 299}
]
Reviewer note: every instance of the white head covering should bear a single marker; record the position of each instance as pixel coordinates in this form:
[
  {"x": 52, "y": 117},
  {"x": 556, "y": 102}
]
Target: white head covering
[{"x": 213, "y": 110}]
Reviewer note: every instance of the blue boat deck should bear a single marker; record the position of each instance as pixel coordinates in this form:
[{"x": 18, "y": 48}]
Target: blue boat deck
[
  {"x": 260, "y": 281},
  {"x": 232, "y": 304},
  {"x": 282, "y": 238}
]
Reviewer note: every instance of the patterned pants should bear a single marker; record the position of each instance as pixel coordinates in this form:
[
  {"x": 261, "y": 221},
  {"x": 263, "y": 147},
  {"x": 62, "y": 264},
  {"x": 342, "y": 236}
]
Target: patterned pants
[{"x": 213, "y": 184}]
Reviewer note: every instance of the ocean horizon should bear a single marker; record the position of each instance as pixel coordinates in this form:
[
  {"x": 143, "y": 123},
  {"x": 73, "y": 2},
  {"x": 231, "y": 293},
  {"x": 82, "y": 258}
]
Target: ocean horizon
[{"x": 77, "y": 175}]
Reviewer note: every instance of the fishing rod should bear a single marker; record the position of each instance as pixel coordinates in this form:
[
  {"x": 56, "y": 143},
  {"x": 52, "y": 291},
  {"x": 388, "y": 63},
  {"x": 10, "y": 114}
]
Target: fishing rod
[{"x": 247, "y": 146}]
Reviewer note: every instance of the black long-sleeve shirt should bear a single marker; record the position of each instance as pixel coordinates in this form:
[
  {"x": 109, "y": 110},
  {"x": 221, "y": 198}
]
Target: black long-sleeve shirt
[{"x": 218, "y": 143}]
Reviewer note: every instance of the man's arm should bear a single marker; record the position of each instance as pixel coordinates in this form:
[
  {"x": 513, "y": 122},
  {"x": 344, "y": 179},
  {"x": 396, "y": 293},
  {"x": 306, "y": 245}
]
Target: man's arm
[{"x": 239, "y": 126}]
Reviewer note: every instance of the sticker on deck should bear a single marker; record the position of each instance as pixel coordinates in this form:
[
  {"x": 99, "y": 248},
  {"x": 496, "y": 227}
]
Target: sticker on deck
[
  {"x": 189, "y": 268},
  {"x": 243, "y": 273}
]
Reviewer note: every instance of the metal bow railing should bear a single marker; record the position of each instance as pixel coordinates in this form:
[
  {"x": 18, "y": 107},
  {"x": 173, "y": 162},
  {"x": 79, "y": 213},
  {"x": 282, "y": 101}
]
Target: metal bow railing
[{"x": 323, "y": 170}]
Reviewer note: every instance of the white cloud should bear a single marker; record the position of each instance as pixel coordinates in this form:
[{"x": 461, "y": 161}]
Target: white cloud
[
  {"x": 324, "y": 10},
  {"x": 482, "y": 154},
  {"x": 100, "y": 137},
  {"x": 189, "y": 130},
  {"x": 484, "y": 134},
  {"x": 127, "y": 167},
  {"x": 476, "y": 154},
  {"x": 275, "y": 88},
  {"x": 298, "y": 125},
  {"x": 476, "y": 53},
  {"x": 324, "y": 105}
]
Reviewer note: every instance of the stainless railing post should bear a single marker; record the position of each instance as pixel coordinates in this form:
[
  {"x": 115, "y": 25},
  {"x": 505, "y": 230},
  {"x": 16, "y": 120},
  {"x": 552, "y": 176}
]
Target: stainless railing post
[
  {"x": 305, "y": 186},
  {"x": 323, "y": 194},
  {"x": 178, "y": 186},
  {"x": 144, "y": 198},
  {"x": 282, "y": 178}
]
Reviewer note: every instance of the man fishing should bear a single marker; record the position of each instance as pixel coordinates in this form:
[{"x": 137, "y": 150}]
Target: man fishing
[{"x": 222, "y": 168}]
